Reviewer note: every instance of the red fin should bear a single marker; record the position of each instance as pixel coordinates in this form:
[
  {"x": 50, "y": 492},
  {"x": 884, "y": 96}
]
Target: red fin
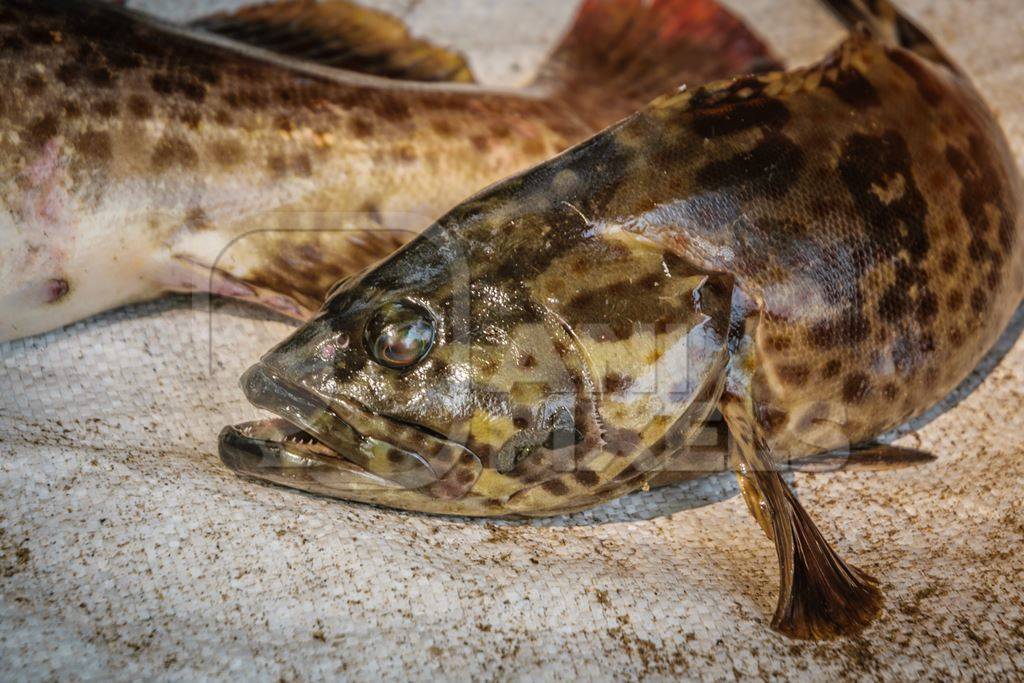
[
  {"x": 342, "y": 35},
  {"x": 635, "y": 50}
]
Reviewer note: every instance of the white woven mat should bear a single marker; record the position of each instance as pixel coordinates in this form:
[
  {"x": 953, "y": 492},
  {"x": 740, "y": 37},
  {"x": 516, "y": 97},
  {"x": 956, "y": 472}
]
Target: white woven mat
[{"x": 128, "y": 550}]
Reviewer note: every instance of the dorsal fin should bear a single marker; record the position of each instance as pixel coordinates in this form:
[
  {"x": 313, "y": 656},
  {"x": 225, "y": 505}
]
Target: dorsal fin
[
  {"x": 342, "y": 35},
  {"x": 884, "y": 22},
  {"x": 639, "y": 49}
]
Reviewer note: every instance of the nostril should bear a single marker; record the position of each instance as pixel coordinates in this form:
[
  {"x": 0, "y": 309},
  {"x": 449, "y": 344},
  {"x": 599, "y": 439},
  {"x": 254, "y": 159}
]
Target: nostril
[{"x": 328, "y": 352}]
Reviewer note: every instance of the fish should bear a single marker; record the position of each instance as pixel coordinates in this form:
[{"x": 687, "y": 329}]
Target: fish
[
  {"x": 737, "y": 276},
  {"x": 263, "y": 155}
]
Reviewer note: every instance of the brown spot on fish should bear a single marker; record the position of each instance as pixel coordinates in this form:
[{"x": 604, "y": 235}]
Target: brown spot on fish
[
  {"x": 878, "y": 161},
  {"x": 481, "y": 143},
  {"x": 361, "y": 127},
  {"x": 303, "y": 165},
  {"x": 615, "y": 382},
  {"x": 955, "y": 300},
  {"x": 443, "y": 127},
  {"x": 793, "y": 375},
  {"x": 621, "y": 442},
  {"x": 278, "y": 165},
  {"x": 527, "y": 361},
  {"x": 69, "y": 73},
  {"x": 94, "y": 145},
  {"x": 950, "y": 260},
  {"x": 173, "y": 151},
  {"x": 101, "y": 77},
  {"x": 38, "y": 35},
  {"x": 107, "y": 108},
  {"x": 390, "y": 108},
  {"x": 125, "y": 60},
  {"x": 856, "y": 388},
  {"x": 555, "y": 487},
  {"x": 403, "y": 154},
  {"x": 196, "y": 219},
  {"x": 34, "y": 84},
  {"x": 191, "y": 117},
  {"x": 927, "y": 308},
  {"x": 283, "y": 123},
  {"x": 956, "y": 337},
  {"x": 853, "y": 88},
  {"x": 850, "y": 328},
  {"x": 832, "y": 368},
  {"x": 139, "y": 107},
  {"x": 586, "y": 477},
  {"x": 769, "y": 169},
  {"x": 735, "y": 116},
  {"x": 12, "y": 44},
  {"x": 979, "y": 299},
  {"x": 72, "y": 110},
  {"x": 227, "y": 152},
  {"x": 42, "y": 130},
  {"x": 161, "y": 84}
]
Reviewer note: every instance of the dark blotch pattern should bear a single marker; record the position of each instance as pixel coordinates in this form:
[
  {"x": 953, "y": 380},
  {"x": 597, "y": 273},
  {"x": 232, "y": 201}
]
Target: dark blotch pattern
[
  {"x": 94, "y": 145},
  {"x": 174, "y": 152},
  {"x": 733, "y": 116},
  {"x": 854, "y": 89},
  {"x": 856, "y": 388},
  {"x": 769, "y": 169}
]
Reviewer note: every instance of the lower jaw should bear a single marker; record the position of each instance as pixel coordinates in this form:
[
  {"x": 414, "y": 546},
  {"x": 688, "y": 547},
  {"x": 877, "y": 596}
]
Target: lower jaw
[{"x": 275, "y": 450}]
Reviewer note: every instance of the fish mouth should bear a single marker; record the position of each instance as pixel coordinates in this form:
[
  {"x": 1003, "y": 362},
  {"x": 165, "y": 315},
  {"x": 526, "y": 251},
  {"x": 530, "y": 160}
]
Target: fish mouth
[{"x": 331, "y": 447}]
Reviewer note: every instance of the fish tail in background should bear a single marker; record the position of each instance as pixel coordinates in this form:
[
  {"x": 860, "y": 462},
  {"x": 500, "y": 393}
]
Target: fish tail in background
[
  {"x": 342, "y": 35},
  {"x": 638, "y": 49},
  {"x": 888, "y": 25}
]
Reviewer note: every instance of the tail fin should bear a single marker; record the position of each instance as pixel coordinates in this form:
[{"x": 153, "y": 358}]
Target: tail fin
[
  {"x": 887, "y": 24},
  {"x": 631, "y": 51}
]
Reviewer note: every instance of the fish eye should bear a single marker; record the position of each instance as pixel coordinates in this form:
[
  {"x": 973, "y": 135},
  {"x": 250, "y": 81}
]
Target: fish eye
[{"x": 399, "y": 334}]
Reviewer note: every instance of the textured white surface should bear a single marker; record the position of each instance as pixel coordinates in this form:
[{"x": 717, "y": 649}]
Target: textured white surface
[{"x": 127, "y": 550}]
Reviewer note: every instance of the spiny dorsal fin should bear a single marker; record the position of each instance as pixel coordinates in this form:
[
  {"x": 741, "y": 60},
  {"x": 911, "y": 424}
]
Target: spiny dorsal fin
[
  {"x": 885, "y": 23},
  {"x": 342, "y": 35},
  {"x": 640, "y": 49}
]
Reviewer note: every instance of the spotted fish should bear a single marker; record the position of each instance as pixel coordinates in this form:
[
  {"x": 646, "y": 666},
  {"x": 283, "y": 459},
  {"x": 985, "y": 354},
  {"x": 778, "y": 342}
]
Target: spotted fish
[
  {"x": 815, "y": 256},
  {"x": 138, "y": 158}
]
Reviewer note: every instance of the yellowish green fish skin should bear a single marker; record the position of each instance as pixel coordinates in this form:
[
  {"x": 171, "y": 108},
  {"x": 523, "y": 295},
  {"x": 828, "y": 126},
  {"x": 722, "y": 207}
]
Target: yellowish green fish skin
[
  {"x": 817, "y": 255},
  {"x": 138, "y": 158}
]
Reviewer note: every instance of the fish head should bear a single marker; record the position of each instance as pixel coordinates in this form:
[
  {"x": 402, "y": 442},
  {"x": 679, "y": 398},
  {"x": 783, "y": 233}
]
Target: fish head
[{"x": 514, "y": 343}]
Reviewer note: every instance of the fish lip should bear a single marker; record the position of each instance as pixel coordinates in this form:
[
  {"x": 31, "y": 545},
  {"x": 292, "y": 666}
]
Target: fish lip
[{"x": 257, "y": 448}]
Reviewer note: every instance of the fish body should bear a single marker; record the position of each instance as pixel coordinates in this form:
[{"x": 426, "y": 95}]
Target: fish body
[
  {"x": 815, "y": 255},
  {"x": 140, "y": 158}
]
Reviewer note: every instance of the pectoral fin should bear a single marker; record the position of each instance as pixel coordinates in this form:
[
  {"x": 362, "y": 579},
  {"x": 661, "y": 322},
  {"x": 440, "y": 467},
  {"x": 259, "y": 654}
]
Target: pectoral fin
[
  {"x": 341, "y": 35},
  {"x": 820, "y": 596}
]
